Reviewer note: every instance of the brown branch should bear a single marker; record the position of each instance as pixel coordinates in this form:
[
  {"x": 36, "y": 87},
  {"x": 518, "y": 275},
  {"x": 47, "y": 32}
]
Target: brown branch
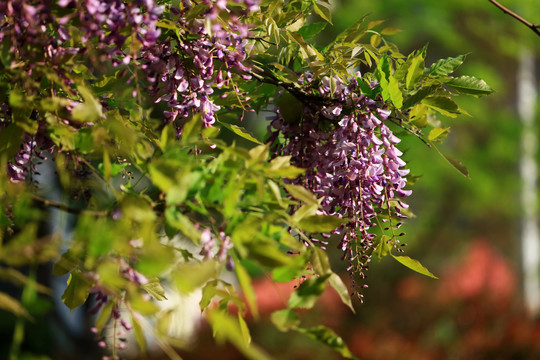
[
  {"x": 67, "y": 208},
  {"x": 533, "y": 27}
]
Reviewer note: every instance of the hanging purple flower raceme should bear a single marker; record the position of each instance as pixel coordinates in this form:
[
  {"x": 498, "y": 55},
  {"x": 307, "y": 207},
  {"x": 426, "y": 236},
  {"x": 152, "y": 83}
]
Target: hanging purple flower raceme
[
  {"x": 38, "y": 35},
  {"x": 351, "y": 161},
  {"x": 185, "y": 75}
]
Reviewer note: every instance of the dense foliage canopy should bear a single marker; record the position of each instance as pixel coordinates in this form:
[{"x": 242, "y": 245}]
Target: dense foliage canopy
[{"x": 138, "y": 106}]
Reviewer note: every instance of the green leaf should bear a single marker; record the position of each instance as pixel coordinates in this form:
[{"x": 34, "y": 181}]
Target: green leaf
[
  {"x": 395, "y": 93},
  {"x": 308, "y": 292},
  {"x": 240, "y": 131},
  {"x": 258, "y": 154},
  {"x": 175, "y": 219},
  {"x": 383, "y": 247},
  {"x": 446, "y": 66},
  {"x": 418, "y": 95},
  {"x": 437, "y": 134},
  {"x": 330, "y": 338},
  {"x": 390, "y": 31},
  {"x": 153, "y": 288},
  {"x": 18, "y": 99},
  {"x": 267, "y": 254},
  {"x": 442, "y": 104},
  {"x": 383, "y": 68},
  {"x": 340, "y": 287},
  {"x": 321, "y": 223},
  {"x": 244, "y": 330},
  {"x": 285, "y": 320},
  {"x": 276, "y": 191},
  {"x": 77, "y": 291},
  {"x": 138, "y": 333},
  {"x": 245, "y": 284},
  {"x": 457, "y": 165},
  {"x": 208, "y": 292},
  {"x": 414, "y": 265},
  {"x": 415, "y": 71},
  {"x": 281, "y": 167},
  {"x": 17, "y": 278},
  {"x": 199, "y": 274},
  {"x": 302, "y": 194},
  {"x": 290, "y": 108},
  {"x": 470, "y": 85},
  {"x": 192, "y": 129},
  {"x": 319, "y": 261},
  {"x": 104, "y": 315},
  {"x": 228, "y": 328},
  {"x": 12, "y": 305},
  {"x": 88, "y": 111},
  {"x": 10, "y": 140},
  {"x": 323, "y": 11},
  {"x": 286, "y": 273},
  {"x": 310, "y": 30}
]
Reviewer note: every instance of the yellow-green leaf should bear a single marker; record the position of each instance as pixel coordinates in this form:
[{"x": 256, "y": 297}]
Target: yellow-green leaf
[
  {"x": 414, "y": 265},
  {"x": 438, "y": 133},
  {"x": 330, "y": 338},
  {"x": 285, "y": 319},
  {"x": 470, "y": 85},
  {"x": 340, "y": 287},
  {"x": 77, "y": 291},
  {"x": 302, "y": 194},
  {"x": 153, "y": 288},
  {"x": 308, "y": 292},
  {"x": 12, "y": 305},
  {"x": 321, "y": 223},
  {"x": 188, "y": 277}
]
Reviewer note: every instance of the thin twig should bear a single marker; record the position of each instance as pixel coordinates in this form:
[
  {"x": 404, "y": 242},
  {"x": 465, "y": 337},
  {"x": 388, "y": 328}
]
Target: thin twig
[
  {"x": 67, "y": 208},
  {"x": 533, "y": 27}
]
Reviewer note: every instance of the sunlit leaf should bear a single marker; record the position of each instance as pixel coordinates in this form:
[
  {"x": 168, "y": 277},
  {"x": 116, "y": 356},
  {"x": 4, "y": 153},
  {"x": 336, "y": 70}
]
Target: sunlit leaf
[
  {"x": 446, "y": 66},
  {"x": 245, "y": 283},
  {"x": 414, "y": 265},
  {"x": 323, "y": 11},
  {"x": 395, "y": 93},
  {"x": 415, "y": 71},
  {"x": 319, "y": 261},
  {"x": 470, "y": 85},
  {"x": 88, "y": 111},
  {"x": 321, "y": 223},
  {"x": 228, "y": 328},
  {"x": 437, "y": 133},
  {"x": 384, "y": 246},
  {"x": 153, "y": 288},
  {"x": 302, "y": 194},
  {"x": 199, "y": 274}
]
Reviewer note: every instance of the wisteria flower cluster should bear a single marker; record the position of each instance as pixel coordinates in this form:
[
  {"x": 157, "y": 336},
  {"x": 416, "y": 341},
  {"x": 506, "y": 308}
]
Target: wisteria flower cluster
[
  {"x": 182, "y": 73},
  {"x": 185, "y": 74},
  {"x": 352, "y": 162}
]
